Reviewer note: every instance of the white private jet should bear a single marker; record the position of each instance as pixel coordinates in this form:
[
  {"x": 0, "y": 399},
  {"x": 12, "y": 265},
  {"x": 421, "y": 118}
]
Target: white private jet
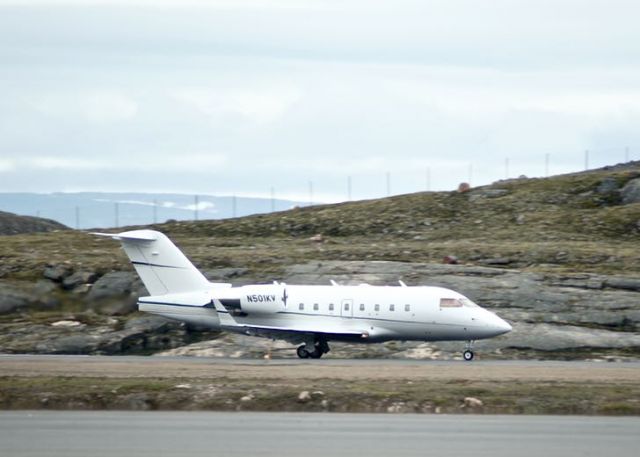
[{"x": 311, "y": 315}]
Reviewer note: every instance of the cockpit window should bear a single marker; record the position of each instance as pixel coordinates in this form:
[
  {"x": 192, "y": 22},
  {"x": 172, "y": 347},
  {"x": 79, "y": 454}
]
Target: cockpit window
[
  {"x": 468, "y": 303},
  {"x": 457, "y": 303},
  {"x": 450, "y": 303}
]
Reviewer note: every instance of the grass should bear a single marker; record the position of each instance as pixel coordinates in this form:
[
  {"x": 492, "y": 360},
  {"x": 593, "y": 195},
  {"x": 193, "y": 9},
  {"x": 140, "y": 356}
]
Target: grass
[{"x": 219, "y": 394}]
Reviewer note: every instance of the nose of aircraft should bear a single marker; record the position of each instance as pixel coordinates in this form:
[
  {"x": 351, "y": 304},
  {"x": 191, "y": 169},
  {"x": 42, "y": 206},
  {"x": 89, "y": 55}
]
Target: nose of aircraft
[
  {"x": 503, "y": 326},
  {"x": 500, "y": 325},
  {"x": 496, "y": 324}
]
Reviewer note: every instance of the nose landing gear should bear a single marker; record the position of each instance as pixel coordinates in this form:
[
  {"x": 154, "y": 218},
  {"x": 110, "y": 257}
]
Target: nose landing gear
[{"x": 468, "y": 352}]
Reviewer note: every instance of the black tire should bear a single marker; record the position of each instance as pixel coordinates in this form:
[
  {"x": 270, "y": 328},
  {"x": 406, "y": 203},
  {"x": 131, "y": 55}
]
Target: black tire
[
  {"x": 467, "y": 355},
  {"x": 302, "y": 352},
  {"x": 316, "y": 353}
]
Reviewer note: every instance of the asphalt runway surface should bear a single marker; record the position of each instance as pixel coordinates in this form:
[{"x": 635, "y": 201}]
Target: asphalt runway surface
[
  {"x": 116, "y": 433},
  {"x": 202, "y": 367}
]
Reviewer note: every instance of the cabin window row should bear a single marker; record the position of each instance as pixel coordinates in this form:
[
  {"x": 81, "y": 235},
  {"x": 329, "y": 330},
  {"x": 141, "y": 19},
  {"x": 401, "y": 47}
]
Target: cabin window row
[{"x": 376, "y": 307}]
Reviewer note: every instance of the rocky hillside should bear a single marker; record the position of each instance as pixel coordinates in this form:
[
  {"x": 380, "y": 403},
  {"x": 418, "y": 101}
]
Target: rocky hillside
[
  {"x": 557, "y": 257},
  {"x": 12, "y": 224}
]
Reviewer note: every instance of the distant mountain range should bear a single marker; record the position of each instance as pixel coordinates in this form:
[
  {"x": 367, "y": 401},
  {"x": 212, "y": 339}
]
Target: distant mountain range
[{"x": 98, "y": 209}]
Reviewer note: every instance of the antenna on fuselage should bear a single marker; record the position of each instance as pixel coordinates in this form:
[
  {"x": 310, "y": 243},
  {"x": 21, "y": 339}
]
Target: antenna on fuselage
[
  {"x": 333, "y": 283},
  {"x": 402, "y": 284},
  {"x": 275, "y": 283}
]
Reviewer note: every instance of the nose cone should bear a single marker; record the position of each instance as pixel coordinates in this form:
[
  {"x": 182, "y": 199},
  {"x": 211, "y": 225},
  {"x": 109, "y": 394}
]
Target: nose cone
[
  {"x": 503, "y": 326},
  {"x": 496, "y": 325}
]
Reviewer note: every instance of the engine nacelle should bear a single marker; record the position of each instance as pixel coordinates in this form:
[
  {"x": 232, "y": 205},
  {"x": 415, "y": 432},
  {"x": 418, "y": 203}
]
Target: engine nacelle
[{"x": 253, "y": 300}]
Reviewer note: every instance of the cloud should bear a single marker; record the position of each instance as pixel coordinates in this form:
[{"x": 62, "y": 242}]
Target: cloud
[
  {"x": 64, "y": 163},
  {"x": 96, "y": 106},
  {"x": 238, "y": 96},
  {"x": 179, "y": 4},
  {"x": 181, "y": 163},
  {"x": 259, "y": 106},
  {"x": 209, "y": 207},
  {"x": 7, "y": 165}
]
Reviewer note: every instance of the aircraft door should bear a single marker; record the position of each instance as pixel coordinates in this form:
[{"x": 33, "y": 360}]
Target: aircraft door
[{"x": 346, "y": 308}]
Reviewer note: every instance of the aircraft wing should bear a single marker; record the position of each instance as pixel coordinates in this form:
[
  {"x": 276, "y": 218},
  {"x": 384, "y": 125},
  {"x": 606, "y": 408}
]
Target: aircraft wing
[{"x": 298, "y": 333}]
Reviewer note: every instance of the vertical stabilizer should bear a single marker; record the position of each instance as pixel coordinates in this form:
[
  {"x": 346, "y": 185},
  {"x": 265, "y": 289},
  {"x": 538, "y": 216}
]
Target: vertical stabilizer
[{"x": 162, "y": 267}]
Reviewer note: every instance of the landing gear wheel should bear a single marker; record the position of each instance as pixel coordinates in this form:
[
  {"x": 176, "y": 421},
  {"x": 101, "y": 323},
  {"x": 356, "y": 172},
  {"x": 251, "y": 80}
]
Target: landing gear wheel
[
  {"x": 316, "y": 353},
  {"x": 302, "y": 352},
  {"x": 468, "y": 355}
]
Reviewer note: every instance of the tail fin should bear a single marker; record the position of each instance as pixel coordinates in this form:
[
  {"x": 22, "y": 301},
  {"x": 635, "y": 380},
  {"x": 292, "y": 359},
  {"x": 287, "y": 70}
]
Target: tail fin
[{"x": 162, "y": 267}]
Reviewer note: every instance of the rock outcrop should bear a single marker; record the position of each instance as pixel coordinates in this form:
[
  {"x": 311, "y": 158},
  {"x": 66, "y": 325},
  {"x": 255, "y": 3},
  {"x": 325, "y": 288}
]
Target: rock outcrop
[
  {"x": 13, "y": 224},
  {"x": 550, "y": 313}
]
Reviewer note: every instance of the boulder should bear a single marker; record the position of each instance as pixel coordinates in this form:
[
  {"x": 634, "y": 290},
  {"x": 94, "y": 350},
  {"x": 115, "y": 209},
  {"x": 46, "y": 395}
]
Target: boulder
[
  {"x": 472, "y": 402},
  {"x": 57, "y": 272},
  {"x": 12, "y": 300},
  {"x": 224, "y": 273},
  {"x": 608, "y": 186},
  {"x": 479, "y": 195},
  {"x": 450, "y": 260},
  {"x": 66, "y": 323},
  {"x": 79, "y": 278},
  {"x": 496, "y": 261},
  {"x": 116, "y": 284},
  {"x": 44, "y": 287},
  {"x": 120, "y": 307},
  {"x": 73, "y": 344},
  {"x": 631, "y": 191},
  {"x": 135, "y": 402},
  {"x": 121, "y": 341},
  {"x": 623, "y": 283},
  {"x": 150, "y": 324}
]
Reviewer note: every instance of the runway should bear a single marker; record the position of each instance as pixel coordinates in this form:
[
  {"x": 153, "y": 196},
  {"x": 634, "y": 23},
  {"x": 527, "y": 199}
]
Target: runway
[
  {"x": 70, "y": 434},
  {"x": 342, "y": 369}
]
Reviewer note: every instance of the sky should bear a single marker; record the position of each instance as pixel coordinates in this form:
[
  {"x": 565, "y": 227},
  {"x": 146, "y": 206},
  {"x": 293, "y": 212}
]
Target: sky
[{"x": 299, "y": 98}]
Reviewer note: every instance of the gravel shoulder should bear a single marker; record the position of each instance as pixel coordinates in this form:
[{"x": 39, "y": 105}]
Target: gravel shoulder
[{"x": 343, "y": 369}]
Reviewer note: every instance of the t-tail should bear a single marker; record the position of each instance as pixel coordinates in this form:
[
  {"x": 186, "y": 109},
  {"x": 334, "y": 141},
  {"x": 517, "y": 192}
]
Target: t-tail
[
  {"x": 163, "y": 268},
  {"x": 177, "y": 289}
]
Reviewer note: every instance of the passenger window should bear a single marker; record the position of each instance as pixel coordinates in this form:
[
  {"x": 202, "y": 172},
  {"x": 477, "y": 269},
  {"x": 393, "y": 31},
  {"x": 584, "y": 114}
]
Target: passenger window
[
  {"x": 330, "y": 306},
  {"x": 346, "y": 306},
  {"x": 377, "y": 307},
  {"x": 301, "y": 306},
  {"x": 315, "y": 307},
  {"x": 392, "y": 307},
  {"x": 361, "y": 306},
  {"x": 407, "y": 307}
]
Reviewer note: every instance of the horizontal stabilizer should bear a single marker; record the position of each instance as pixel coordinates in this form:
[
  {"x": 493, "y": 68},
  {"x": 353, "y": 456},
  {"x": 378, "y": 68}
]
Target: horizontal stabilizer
[
  {"x": 163, "y": 268},
  {"x": 135, "y": 235}
]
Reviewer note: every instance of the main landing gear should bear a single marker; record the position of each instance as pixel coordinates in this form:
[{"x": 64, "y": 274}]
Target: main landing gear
[
  {"x": 468, "y": 353},
  {"x": 319, "y": 348}
]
